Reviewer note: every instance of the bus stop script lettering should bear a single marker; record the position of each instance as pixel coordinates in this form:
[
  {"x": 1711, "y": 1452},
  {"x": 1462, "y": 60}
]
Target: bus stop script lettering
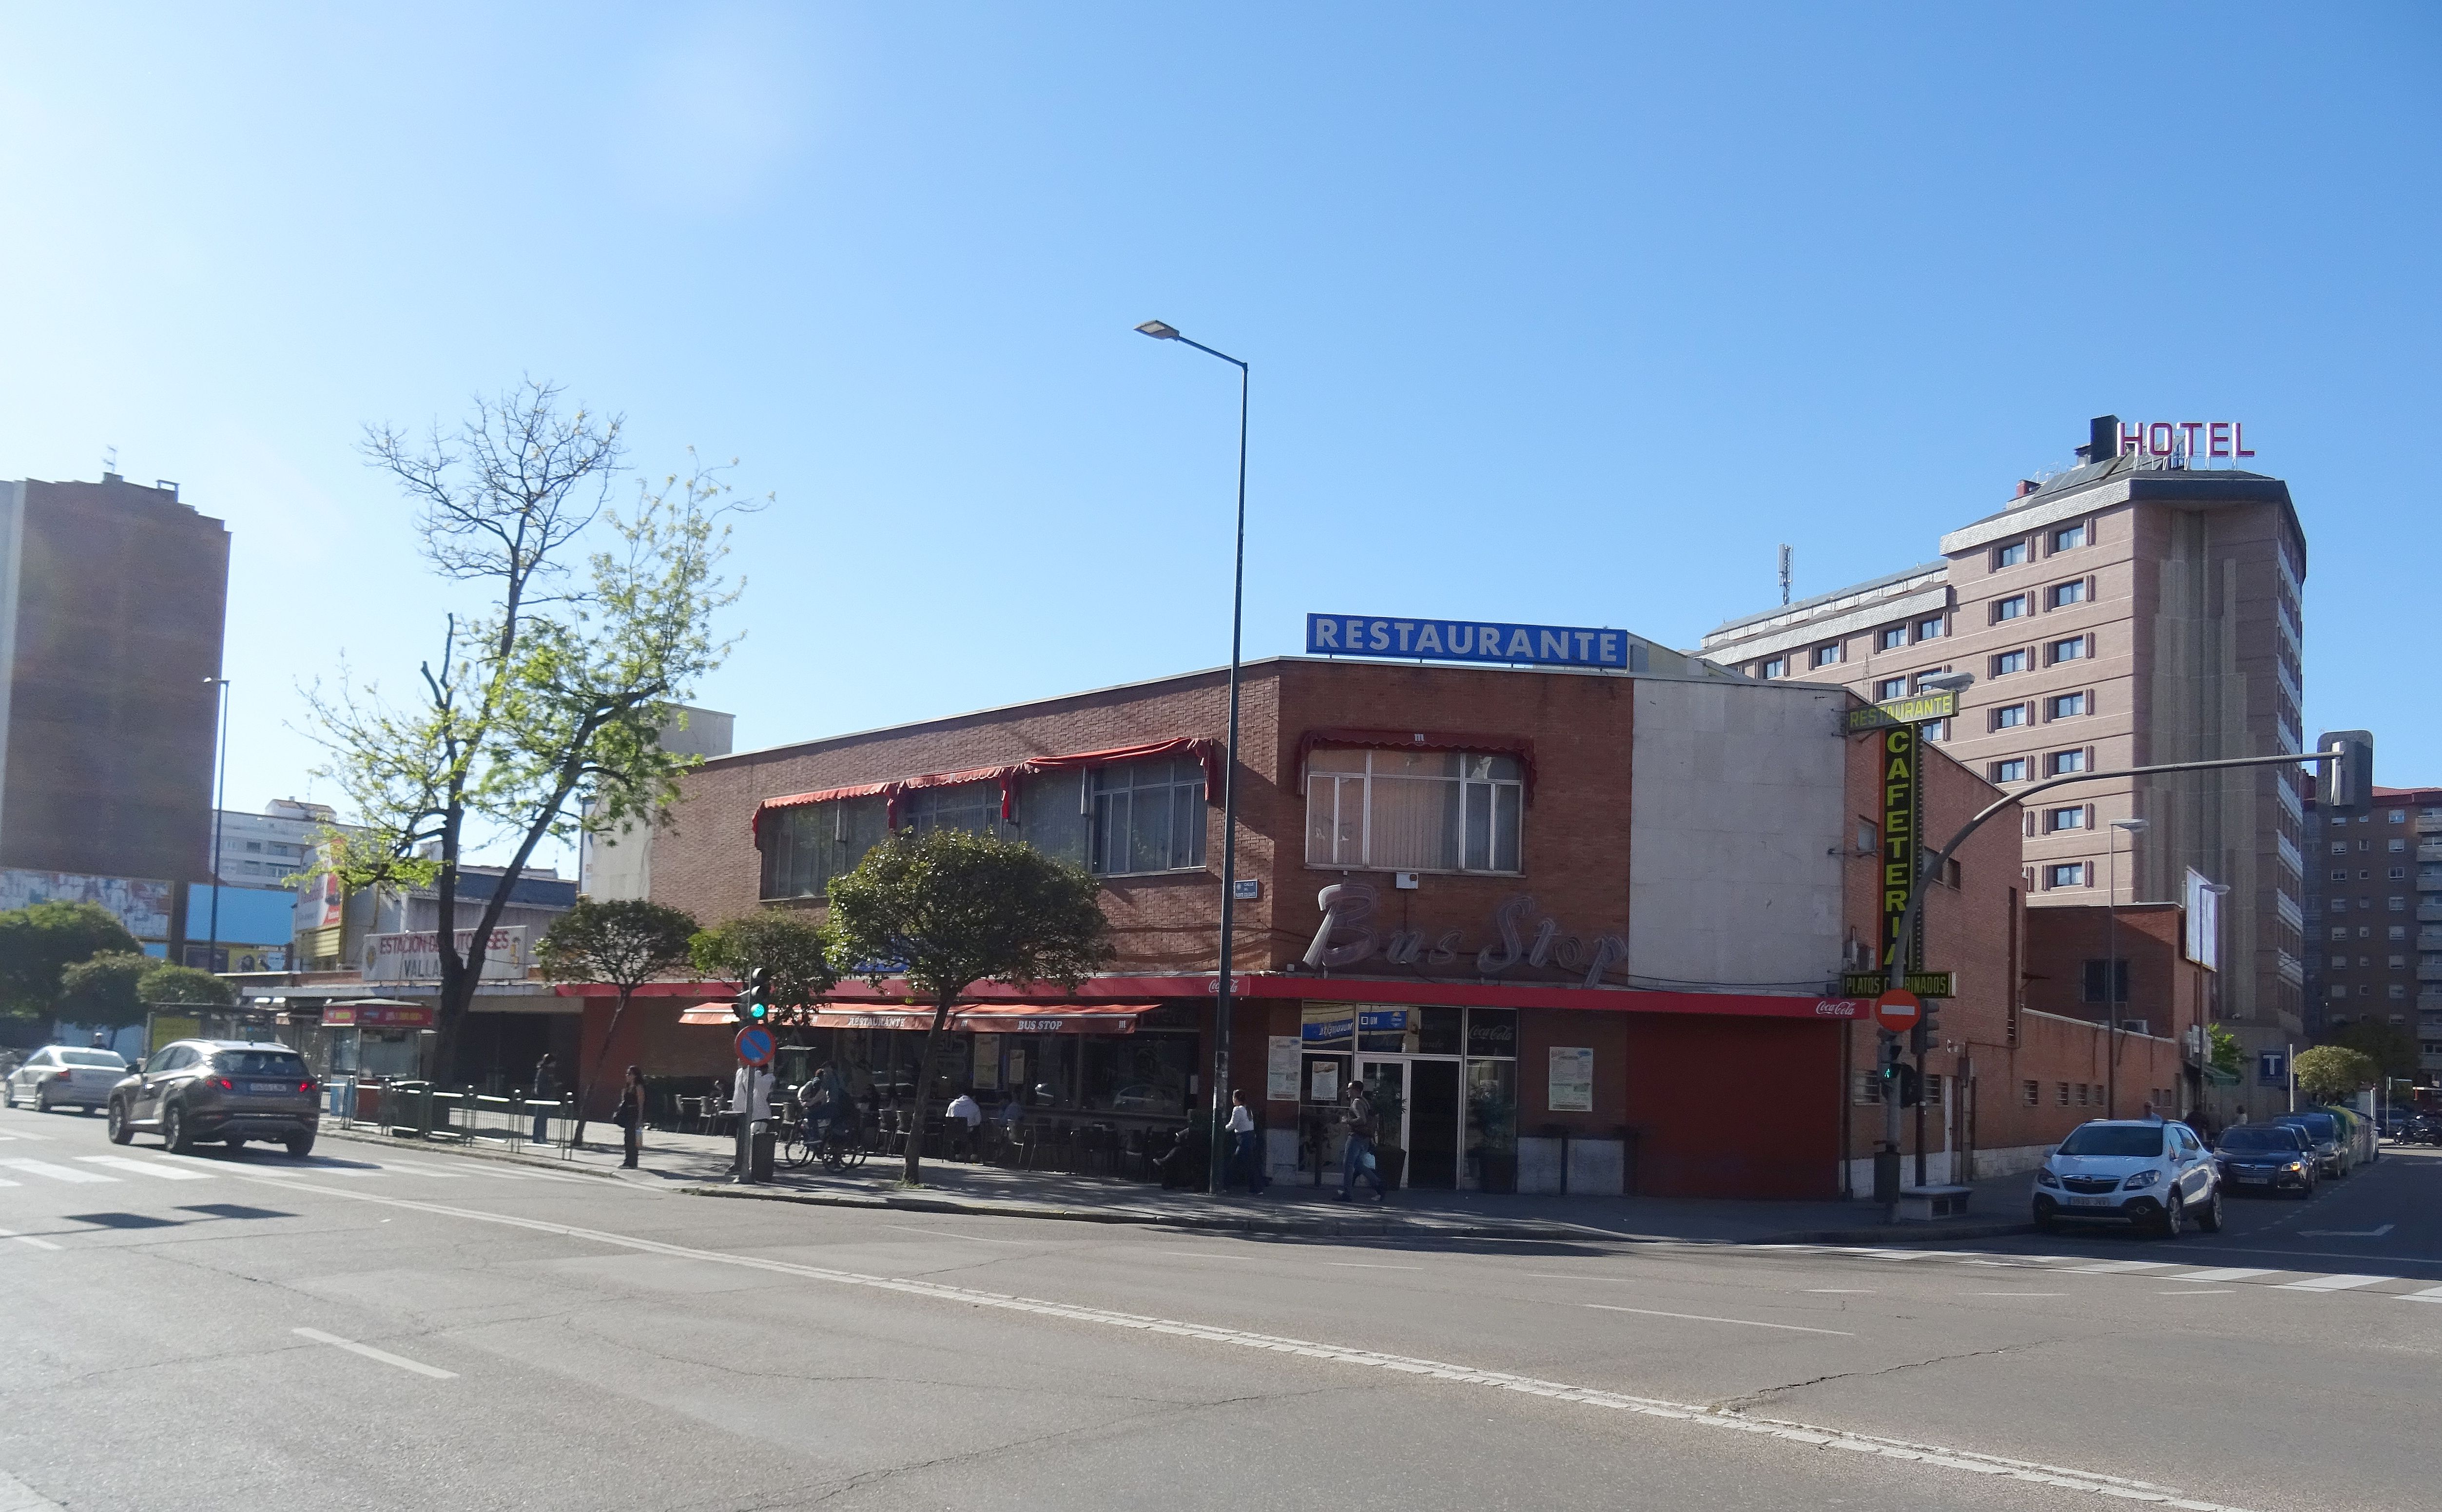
[{"x": 1524, "y": 934}]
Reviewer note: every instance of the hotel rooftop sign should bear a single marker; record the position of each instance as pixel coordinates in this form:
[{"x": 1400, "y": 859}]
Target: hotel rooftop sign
[{"x": 1467, "y": 641}]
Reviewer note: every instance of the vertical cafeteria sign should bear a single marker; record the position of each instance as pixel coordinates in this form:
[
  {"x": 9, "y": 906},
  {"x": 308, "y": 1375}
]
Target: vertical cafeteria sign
[{"x": 1902, "y": 809}]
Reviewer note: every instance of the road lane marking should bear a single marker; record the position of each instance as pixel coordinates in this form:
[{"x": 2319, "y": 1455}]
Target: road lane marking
[
  {"x": 369, "y": 1353},
  {"x": 2223, "y": 1273},
  {"x": 1901, "y": 1450},
  {"x": 2114, "y": 1267},
  {"x": 2017, "y": 1294},
  {"x": 1705, "y": 1318},
  {"x": 24, "y": 1134},
  {"x": 7, "y": 1183},
  {"x": 2429, "y": 1294},
  {"x": 971, "y": 1238},
  {"x": 2331, "y": 1282},
  {"x": 27, "y": 1239},
  {"x": 1360, "y": 1265},
  {"x": 145, "y": 1168},
  {"x": 424, "y": 1170},
  {"x": 1839, "y": 1291},
  {"x": 2204, "y": 1291},
  {"x": 2345, "y": 1234},
  {"x": 16, "y": 1496},
  {"x": 57, "y": 1173}
]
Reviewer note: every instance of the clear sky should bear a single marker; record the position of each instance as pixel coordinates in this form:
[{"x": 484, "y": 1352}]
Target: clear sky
[{"x": 1558, "y": 314}]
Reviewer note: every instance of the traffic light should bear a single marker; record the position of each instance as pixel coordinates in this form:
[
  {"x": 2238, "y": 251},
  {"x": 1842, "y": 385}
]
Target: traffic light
[
  {"x": 1892, "y": 1069},
  {"x": 753, "y": 1002},
  {"x": 1927, "y": 1031},
  {"x": 1905, "y": 1083}
]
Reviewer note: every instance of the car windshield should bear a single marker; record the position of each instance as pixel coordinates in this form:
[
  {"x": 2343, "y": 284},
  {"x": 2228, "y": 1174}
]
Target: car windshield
[
  {"x": 2318, "y": 1124},
  {"x": 2277, "y": 1140},
  {"x": 258, "y": 1063},
  {"x": 100, "y": 1058},
  {"x": 2104, "y": 1138}
]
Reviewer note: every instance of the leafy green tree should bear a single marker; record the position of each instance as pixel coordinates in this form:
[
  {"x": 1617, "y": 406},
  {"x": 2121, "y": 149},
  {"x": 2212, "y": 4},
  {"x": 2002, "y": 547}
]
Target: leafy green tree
[
  {"x": 947, "y": 909},
  {"x": 625, "y": 942},
  {"x": 2227, "y": 1051},
  {"x": 541, "y": 718},
  {"x": 794, "y": 948},
  {"x": 2391, "y": 1047},
  {"x": 40, "y": 941},
  {"x": 115, "y": 988},
  {"x": 2328, "y": 1073},
  {"x": 165, "y": 984}
]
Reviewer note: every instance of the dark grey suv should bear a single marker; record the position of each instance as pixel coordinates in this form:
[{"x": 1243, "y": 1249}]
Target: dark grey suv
[{"x": 194, "y": 1091}]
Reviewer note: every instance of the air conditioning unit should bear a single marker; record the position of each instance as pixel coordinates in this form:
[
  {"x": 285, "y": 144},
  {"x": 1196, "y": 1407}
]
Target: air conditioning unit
[
  {"x": 2134, "y": 1026},
  {"x": 1404, "y": 879}
]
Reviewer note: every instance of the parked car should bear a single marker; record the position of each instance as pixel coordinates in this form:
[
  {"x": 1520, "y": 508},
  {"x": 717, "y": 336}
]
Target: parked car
[
  {"x": 2325, "y": 1133},
  {"x": 60, "y": 1076},
  {"x": 2267, "y": 1157},
  {"x": 229, "y": 1091},
  {"x": 2137, "y": 1172}
]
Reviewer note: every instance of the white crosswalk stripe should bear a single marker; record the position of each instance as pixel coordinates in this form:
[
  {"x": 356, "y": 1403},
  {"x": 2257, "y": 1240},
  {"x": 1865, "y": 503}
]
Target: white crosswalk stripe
[
  {"x": 2114, "y": 1267},
  {"x": 2226, "y": 1273},
  {"x": 56, "y": 1172},
  {"x": 146, "y": 1168},
  {"x": 29, "y": 1241},
  {"x": 2331, "y": 1282},
  {"x": 2429, "y": 1294},
  {"x": 24, "y": 1134}
]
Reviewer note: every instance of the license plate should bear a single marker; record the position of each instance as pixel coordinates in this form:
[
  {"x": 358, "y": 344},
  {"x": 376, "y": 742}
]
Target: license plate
[
  {"x": 2089, "y": 1202},
  {"x": 2252, "y": 1181},
  {"x": 266, "y": 1086}
]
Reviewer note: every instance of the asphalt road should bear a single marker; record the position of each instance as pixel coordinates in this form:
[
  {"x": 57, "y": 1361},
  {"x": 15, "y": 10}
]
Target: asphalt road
[{"x": 413, "y": 1329}]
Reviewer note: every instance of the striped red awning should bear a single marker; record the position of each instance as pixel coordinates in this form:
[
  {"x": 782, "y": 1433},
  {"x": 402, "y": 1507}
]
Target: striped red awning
[
  {"x": 1206, "y": 751},
  {"x": 986, "y": 1018}
]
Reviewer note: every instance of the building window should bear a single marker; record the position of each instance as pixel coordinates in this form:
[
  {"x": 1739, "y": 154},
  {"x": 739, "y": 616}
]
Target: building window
[
  {"x": 2081, "y": 1094},
  {"x": 2072, "y": 592},
  {"x": 1936, "y": 730},
  {"x": 2397, "y": 874},
  {"x": 2395, "y": 991},
  {"x": 2013, "y": 607},
  {"x": 2339, "y": 847},
  {"x": 2014, "y": 554},
  {"x": 2339, "y": 931},
  {"x": 2091, "y": 986},
  {"x": 2072, "y": 649},
  {"x": 1778, "y": 666},
  {"x": 2339, "y": 990},
  {"x": 1892, "y": 638},
  {"x": 973, "y": 807},
  {"x": 2062, "y": 1092},
  {"x": 1148, "y": 816},
  {"x": 1928, "y": 629},
  {"x": 2067, "y": 705},
  {"x": 2398, "y": 906},
  {"x": 2399, "y": 963},
  {"x": 2031, "y": 1094},
  {"x": 2068, "y": 537},
  {"x": 1826, "y": 655},
  {"x": 2013, "y": 770},
  {"x": 2397, "y": 932},
  {"x": 2398, "y": 845},
  {"x": 2009, "y": 661},
  {"x": 805, "y": 847},
  {"x": 2400, "y": 816},
  {"x": 2064, "y": 874},
  {"x": 2339, "y": 905},
  {"x": 1414, "y": 811},
  {"x": 2341, "y": 875},
  {"x": 2061, "y": 763},
  {"x": 2056, "y": 820},
  {"x": 1891, "y": 688},
  {"x": 2009, "y": 716},
  {"x": 255, "y": 845}
]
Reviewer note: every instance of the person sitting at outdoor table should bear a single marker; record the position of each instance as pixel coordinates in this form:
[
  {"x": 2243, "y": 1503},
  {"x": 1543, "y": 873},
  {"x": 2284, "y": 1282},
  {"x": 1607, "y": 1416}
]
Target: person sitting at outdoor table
[
  {"x": 968, "y": 1114},
  {"x": 1012, "y": 1111}
]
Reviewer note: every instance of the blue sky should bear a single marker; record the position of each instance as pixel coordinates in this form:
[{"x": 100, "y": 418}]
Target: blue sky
[{"x": 1559, "y": 314}]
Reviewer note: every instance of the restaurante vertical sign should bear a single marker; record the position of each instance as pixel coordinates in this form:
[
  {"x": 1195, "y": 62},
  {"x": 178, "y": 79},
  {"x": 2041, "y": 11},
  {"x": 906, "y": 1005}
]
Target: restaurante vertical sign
[{"x": 1902, "y": 808}]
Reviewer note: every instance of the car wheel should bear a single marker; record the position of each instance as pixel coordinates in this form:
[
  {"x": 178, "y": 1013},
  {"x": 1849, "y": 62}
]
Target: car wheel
[
  {"x": 235, "y": 1141},
  {"x": 174, "y": 1137},
  {"x": 2210, "y": 1219},
  {"x": 41, "y": 1101},
  {"x": 8, "y": 1093},
  {"x": 121, "y": 1132},
  {"x": 300, "y": 1145},
  {"x": 2174, "y": 1221}
]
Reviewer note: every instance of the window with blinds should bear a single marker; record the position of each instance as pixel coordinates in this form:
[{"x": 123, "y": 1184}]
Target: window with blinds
[{"x": 1414, "y": 811}]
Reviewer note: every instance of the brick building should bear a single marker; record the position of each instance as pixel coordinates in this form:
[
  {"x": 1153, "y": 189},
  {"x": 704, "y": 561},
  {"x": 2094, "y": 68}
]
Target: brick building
[
  {"x": 2374, "y": 899},
  {"x": 2164, "y": 994},
  {"x": 1591, "y": 924}
]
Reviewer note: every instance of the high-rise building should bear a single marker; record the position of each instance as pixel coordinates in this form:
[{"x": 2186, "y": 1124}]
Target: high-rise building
[
  {"x": 2140, "y": 608},
  {"x": 2373, "y": 904},
  {"x": 111, "y": 597},
  {"x": 265, "y": 849}
]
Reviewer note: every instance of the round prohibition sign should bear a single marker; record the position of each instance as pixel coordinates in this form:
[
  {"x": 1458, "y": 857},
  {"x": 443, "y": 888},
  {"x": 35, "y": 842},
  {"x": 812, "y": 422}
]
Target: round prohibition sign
[
  {"x": 754, "y": 1045},
  {"x": 1897, "y": 1010}
]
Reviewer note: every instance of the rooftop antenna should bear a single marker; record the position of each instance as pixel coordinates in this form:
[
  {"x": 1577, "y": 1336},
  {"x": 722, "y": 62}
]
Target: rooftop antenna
[
  {"x": 1784, "y": 576},
  {"x": 109, "y": 459}
]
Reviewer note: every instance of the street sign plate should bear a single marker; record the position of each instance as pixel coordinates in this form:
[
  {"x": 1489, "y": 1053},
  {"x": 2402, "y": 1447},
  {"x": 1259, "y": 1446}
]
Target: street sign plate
[
  {"x": 1923, "y": 984},
  {"x": 1915, "y": 709},
  {"x": 755, "y": 1046},
  {"x": 1896, "y": 1011}
]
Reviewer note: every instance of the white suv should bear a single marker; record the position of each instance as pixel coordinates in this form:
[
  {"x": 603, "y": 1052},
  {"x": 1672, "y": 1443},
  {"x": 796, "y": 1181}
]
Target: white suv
[{"x": 2140, "y": 1172}]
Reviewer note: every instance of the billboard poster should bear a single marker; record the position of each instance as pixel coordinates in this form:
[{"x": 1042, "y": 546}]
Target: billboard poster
[
  {"x": 142, "y": 904},
  {"x": 416, "y": 956},
  {"x": 1572, "y": 1083},
  {"x": 2203, "y": 944}
]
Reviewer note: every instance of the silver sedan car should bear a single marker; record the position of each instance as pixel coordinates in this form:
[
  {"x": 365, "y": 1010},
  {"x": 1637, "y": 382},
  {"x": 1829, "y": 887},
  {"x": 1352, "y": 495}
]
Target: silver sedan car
[{"x": 64, "y": 1076}]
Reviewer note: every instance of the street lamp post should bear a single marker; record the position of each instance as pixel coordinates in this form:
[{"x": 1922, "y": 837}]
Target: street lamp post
[
  {"x": 1222, "y": 996},
  {"x": 2111, "y": 968},
  {"x": 220, "y": 801}
]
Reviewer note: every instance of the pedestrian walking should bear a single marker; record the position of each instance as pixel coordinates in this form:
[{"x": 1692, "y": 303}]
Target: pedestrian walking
[
  {"x": 546, "y": 1092},
  {"x": 629, "y": 1115},
  {"x": 1357, "y": 1155},
  {"x": 1247, "y": 1140}
]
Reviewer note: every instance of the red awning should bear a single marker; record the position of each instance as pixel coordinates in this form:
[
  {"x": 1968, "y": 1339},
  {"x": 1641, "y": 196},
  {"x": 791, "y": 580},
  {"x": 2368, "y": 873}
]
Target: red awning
[
  {"x": 709, "y": 1013},
  {"x": 1208, "y": 752},
  {"x": 987, "y": 1018},
  {"x": 1509, "y": 745}
]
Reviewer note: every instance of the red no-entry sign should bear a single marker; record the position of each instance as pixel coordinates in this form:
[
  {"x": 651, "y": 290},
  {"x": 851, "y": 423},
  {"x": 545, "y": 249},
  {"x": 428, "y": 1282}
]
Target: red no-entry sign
[{"x": 1898, "y": 1012}]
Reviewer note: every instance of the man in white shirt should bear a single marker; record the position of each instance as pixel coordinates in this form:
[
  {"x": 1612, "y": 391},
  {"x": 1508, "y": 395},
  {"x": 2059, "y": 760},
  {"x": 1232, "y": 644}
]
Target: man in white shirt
[
  {"x": 971, "y": 1117},
  {"x": 1248, "y": 1141},
  {"x": 751, "y": 1099}
]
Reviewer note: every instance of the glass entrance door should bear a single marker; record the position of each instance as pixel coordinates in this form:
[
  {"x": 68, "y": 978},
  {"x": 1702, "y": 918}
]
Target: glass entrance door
[
  {"x": 1433, "y": 1107},
  {"x": 1379, "y": 1076}
]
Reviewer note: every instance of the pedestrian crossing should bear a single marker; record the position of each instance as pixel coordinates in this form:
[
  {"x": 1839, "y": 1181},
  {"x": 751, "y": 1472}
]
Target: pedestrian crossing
[
  {"x": 99, "y": 1170},
  {"x": 2404, "y": 1288}
]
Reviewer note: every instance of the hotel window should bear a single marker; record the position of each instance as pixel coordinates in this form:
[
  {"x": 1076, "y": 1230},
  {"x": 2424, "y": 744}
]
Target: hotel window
[
  {"x": 2341, "y": 875},
  {"x": 2013, "y": 554},
  {"x": 2061, "y": 763},
  {"x": 2339, "y": 847},
  {"x": 1778, "y": 666},
  {"x": 1892, "y": 638},
  {"x": 2076, "y": 649},
  {"x": 2339, "y": 905},
  {"x": 2399, "y": 963},
  {"x": 2056, "y": 820},
  {"x": 1826, "y": 655},
  {"x": 1414, "y": 811},
  {"x": 1928, "y": 629},
  {"x": 1934, "y": 729},
  {"x": 2072, "y": 592},
  {"x": 2397, "y": 847},
  {"x": 2064, "y": 874},
  {"x": 2400, "y": 816},
  {"x": 2068, "y": 537},
  {"x": 2013, "y": 607},
  {"x": 2398, "y": 906},
  {"x": 2009, "y": 715},
  {"x": 2339, "y": 931},
  {"x": 2067, "y": 705},
  {"x": 2397, "y": 874},
  {"x": 2009, "y": 661},
  {"x": 2013, "y": 770},
  {"x": 1890, "y": 687},
  {"x": 1148, "y": 816},
  {"x": 2395, "y": 991}
]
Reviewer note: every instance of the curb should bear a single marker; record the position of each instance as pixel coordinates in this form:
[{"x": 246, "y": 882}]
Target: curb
[
  {"x": 1888, "y": 1232},
  {"x": 1233, "y": 1223}
]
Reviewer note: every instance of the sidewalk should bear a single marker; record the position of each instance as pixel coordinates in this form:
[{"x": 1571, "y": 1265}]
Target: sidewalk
[{"x": 698, "y": 1165}]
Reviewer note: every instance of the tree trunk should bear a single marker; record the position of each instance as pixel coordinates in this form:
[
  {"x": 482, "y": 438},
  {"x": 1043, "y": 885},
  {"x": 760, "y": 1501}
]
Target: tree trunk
[
  {"x": 924, "y": 1089},
  {"x": 592, "y": 1074}
]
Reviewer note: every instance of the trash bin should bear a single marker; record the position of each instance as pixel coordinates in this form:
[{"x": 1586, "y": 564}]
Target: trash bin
[{"x": 764, "y": 1144}]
